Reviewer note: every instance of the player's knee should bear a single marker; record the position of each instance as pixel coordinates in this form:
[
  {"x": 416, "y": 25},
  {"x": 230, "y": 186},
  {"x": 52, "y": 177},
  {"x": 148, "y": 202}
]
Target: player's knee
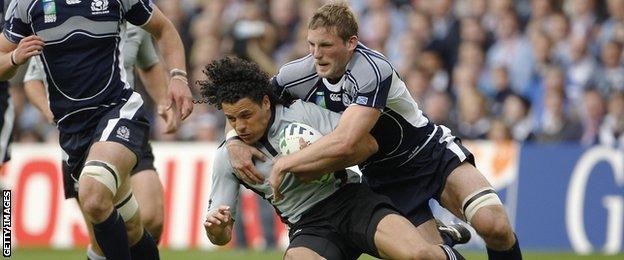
[
  {"x": 96, "y": 206},
  {"x": 492, "y": 224}
]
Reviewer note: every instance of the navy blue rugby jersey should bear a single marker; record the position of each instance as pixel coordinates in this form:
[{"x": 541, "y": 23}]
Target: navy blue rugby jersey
[
  {"x": 370, "y": 80},
  {"x": 82, "y": 55}
]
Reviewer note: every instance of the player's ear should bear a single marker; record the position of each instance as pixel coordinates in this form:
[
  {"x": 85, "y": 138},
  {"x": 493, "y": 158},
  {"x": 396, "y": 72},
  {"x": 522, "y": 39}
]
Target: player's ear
[
  {"x": 266, "y": 102},
  {"x": 352, "y": 42}
]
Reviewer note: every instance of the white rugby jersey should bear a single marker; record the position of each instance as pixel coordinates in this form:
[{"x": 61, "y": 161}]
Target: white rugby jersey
[{"x": 298, "y": 196}]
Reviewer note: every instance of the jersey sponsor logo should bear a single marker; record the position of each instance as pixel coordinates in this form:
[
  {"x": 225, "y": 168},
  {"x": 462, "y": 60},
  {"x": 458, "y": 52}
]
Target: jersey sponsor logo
[
  {"x": 49, "y": 11},
  {"x": 99, "y": 7},
  {"x": 335, "y": 97},
  {"x": 123, "y": 133},
  {"x": 72, "y": 2}
]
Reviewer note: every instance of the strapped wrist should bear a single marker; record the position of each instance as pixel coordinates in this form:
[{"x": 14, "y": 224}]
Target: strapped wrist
[{"x": 13, "y": 62}]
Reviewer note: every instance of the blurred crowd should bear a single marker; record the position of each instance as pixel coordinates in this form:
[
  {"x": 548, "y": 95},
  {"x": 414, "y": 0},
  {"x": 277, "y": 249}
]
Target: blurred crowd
[{"x": 525, "y": 70}]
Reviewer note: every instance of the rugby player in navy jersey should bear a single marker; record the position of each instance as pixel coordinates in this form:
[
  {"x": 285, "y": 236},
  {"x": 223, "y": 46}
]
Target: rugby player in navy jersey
[
  {"x": 138, "y": 51},
  {"x": 416, "y": 161},
  {"x": 101, "y": 120}
]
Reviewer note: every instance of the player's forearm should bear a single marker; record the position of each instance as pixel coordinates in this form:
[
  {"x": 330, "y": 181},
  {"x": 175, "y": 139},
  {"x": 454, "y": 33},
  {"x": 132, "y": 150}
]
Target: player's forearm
[
  {"x": 333, "y": 159},
  {"x": 155, "y": 80},
  {"x": 172, "y": 48},
  {"x": 168, "y": 39},
  {"x": 7, "y": 69}
]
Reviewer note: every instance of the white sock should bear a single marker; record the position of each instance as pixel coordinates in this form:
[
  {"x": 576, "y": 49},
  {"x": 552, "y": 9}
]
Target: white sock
[{"x": 93, "y": 255}]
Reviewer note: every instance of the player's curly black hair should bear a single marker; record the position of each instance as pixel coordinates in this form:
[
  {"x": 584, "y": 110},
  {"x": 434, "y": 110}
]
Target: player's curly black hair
[{"x": 232, "y": 79}]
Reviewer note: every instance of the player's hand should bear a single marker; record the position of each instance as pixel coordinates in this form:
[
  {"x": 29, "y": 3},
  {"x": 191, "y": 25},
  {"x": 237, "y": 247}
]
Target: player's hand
[
  {"x": 171, "y": 119},
  {"x": 241, "y": 160},
  {"x": 179, "y": 98},
  {"x": 218, "y": 221},
  {"x": 26, "y": 48},
  {"x": 275, "y": 179}
]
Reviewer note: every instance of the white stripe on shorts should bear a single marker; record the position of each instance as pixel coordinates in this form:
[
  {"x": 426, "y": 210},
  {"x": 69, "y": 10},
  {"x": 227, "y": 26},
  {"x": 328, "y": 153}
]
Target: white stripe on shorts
[
  {"x": 450, "y": 143},
  {"x": 127, "y": 111}
]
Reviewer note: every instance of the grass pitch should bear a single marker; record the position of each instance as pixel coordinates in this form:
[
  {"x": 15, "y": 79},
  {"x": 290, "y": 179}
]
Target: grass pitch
[{"x": 79, "y": 254}]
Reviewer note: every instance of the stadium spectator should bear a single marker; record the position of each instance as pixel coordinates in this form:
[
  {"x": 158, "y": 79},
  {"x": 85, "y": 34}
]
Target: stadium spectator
[
  {"x": 555, "y": 124},
  {"x": 612, "y": 128},
  {"x": 592, "y": 114}
]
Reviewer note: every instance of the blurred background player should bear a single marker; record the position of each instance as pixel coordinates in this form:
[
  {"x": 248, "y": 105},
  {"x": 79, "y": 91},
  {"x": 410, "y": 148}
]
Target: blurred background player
[
  {"x": 102, "y": 123},
  {"x": 138, "y": 51}
]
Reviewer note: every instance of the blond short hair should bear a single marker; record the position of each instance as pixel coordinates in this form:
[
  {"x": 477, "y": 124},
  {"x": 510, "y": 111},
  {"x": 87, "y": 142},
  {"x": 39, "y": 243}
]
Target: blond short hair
[{"x": 336, "y": 16}]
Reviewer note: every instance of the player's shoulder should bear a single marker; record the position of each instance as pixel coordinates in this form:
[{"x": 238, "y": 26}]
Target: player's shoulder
[
  {"x": 299, "y": 106},
  {"x": 296, "y": 70},
  {"x": 21, "y": 5},
  {"x": 367, "y": 62}
]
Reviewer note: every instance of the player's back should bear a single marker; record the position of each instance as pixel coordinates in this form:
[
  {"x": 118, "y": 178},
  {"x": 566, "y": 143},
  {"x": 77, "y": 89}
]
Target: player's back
[{"x": 81, "y": 56}]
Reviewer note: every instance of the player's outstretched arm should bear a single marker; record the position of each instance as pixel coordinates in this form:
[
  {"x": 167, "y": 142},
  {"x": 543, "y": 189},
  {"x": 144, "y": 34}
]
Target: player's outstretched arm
[
  {"x": 179, "y": 95},
  {"x": 13, "y": 55},
  {"x": 154, "y": 79},
  {"x": 219, "y": 225}
]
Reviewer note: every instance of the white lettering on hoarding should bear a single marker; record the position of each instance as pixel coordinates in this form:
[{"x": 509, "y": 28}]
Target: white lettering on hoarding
[{"x": 575, "y": 201}]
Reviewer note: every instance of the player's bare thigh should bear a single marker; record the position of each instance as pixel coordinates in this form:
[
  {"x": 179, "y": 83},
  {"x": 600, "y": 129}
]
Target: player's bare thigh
[
  {"x": 148, "y": 191},
  {"x": 297, "y": 253},
  {"x": 463, "y": 181},
  {"x": 411, "y": 244}
]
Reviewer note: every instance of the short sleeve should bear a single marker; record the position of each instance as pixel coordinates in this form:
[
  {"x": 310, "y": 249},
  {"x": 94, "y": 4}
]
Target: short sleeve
[
  {"x": 138, "y": 12},
  {"x": 16, "y": 21}
]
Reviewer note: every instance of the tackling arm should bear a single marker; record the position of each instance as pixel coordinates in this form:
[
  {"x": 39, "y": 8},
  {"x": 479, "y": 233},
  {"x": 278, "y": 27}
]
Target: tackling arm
[{"x": 349, "y": 144}]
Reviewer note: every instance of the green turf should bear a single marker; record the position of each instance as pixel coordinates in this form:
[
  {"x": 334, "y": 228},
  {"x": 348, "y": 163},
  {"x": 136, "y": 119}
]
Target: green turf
[{"x": 78, "y": 254}]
